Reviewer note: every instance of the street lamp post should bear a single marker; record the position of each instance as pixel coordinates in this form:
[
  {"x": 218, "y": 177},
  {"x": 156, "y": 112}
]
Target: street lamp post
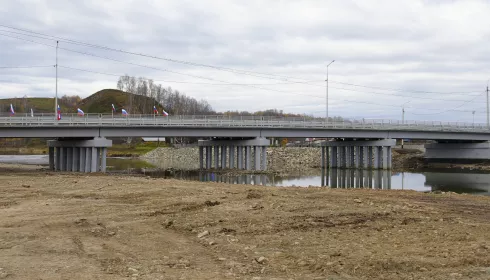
[
  {"x": 473, "y": 118},
  {"x": 403, "y": 115},
  {"x": 326, "y": 111}
]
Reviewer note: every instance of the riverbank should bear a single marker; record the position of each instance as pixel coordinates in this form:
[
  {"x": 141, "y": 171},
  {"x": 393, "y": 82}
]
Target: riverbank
[
  {"x": 112, "y": 227},
  {"x": 279, "y": 159}
]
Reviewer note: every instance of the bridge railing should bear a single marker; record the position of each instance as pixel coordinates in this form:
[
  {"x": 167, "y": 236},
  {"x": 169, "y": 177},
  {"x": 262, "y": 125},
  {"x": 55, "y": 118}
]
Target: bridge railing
[{"x": 233, "y": 121}]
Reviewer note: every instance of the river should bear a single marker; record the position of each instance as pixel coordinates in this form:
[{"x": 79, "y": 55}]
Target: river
[{"x": 455, "y": 180}]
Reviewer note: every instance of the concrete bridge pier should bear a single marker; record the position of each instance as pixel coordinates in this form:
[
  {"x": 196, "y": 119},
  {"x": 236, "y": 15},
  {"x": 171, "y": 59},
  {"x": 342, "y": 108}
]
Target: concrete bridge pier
[
  {"x": 245, "y": 154},
  {"x": 78, "y": 155},
  {"x": 458, "y": 151},
  {"x": 365, "y": 154}
]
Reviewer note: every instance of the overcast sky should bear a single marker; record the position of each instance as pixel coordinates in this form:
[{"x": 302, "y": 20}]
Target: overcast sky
[{"x": 433, "y": 54}]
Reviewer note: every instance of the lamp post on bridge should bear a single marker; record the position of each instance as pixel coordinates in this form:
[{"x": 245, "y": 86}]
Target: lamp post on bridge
[
  {"x": 403, "y": 111},
  {"x": 326, "y": 111},
  {"x": 488, "y": 116},
  {"x": 473, "y": 118}
]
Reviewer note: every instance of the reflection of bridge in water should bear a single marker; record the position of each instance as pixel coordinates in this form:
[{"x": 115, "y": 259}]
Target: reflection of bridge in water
[
  {"x": 356, "y": 178},
  {"x": 335, "y": 178}
]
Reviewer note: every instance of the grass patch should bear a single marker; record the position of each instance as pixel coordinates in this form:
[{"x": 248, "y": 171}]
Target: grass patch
[{"x": 134, "y": 150}]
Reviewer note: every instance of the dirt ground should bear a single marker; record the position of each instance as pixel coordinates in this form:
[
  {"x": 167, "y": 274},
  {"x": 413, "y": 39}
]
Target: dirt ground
[{"x": 66, "y": 226}]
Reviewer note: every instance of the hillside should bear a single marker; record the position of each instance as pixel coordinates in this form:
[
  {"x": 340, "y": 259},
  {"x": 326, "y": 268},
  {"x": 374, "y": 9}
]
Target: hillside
[{"x": 99, "y": 102}]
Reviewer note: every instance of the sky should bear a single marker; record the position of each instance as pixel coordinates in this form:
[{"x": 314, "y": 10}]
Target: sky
[{"x": 430, "y": 57}]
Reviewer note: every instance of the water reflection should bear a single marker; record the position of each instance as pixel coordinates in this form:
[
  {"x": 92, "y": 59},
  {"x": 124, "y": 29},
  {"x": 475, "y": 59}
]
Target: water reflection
[{"x": 353, "y": 178}]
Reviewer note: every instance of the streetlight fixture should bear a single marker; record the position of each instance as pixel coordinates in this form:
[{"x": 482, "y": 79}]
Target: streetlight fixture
[
  {"x": 403, "y": 111},
  {"x": 473, "y": 118},
  {"x": 326, "y": 111}
]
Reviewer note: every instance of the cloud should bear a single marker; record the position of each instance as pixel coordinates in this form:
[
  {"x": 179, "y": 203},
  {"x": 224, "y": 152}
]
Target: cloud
[{"x": 414, "y": 46}]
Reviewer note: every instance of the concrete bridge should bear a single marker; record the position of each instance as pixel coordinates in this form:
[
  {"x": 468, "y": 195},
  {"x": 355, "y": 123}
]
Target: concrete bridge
[{"x": 357, "y": 143}]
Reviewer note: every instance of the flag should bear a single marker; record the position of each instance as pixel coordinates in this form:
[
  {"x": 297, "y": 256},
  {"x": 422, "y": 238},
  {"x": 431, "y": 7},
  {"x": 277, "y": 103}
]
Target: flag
[
  {"x": 155, "y": 110},
  {"x": 124, "y": 112},
  {"x": 12, "y": 112},
  {"x": 164, "y": 113},
  {"x": 113, "y": 108},
  {"x": 80, "y": 112},
  {"x": 32, "y": 113},
  {"x": 59, "y": 113}
]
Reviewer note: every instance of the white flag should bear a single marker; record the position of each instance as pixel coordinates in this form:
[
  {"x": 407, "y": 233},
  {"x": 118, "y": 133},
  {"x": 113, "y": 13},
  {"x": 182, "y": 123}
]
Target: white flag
[{"x": 32, "y": 113}]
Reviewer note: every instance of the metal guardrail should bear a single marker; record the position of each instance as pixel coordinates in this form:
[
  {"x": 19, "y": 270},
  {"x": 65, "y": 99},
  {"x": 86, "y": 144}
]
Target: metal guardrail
[{"x": 108, "y": 120}]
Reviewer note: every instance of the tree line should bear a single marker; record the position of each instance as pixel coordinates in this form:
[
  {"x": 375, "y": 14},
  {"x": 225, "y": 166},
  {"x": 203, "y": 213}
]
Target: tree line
[{"x": 173, "y": 101}]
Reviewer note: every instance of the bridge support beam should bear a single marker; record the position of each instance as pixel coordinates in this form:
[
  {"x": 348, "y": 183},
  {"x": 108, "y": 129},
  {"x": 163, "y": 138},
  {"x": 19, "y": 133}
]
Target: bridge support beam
[
  {"x": 76, "y": 155},
  {"x": 458, "y": 152},
  {"x": 250, "y": 153},
  {"x": 366, "y": 154}
]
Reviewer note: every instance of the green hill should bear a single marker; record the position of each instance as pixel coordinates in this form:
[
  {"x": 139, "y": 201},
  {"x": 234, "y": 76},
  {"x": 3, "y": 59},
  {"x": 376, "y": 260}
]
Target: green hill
[{"x": 99, "y": 102}]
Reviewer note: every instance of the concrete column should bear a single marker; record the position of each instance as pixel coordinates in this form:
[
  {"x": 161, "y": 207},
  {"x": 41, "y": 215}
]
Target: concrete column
[
  {"x": 352, "y": 156},
  {"x": 358, "y": 178},
  {"x": 375, "y": 157},
  {"x": 370, "y": 157},
  {"x": 347, "y": 178},
  {"x": 93, "y": 160},
  {"x": 334, "y": 157},
  {"x": 97, "y": 162},
  {"x": 348, "y": 157},
  {"x": 223, "y": 157},
  {"x": 74, "y": 160},
  {"x": 57, "y": 160},
  {"x": 388, "y": 158},
  {"x": 370, "y": 178},
  {"x": 239, "y": 157},
  {"x": 322, "y": 158},
  {"x": 257, "y": 151},
  {"x": 69, "y": 154},
  {"x": 231, "y": 157},
  {"x": 327, "y": 157},
  {"x": 88, "y": 159},
  {"x": 357, "y": 157},
  {"x": 365, "y": 157},
  {"x": 62, "y": 159},
  {"x": 209, "y": 157},
  {"x": 378, "y": 179},
  {"x": 103, "y": 164},
  {"x": 201, "y": 157},
  {"x": 385, "y": 158},
  {"x": 51, "y": 158},
  {"x": 341, "y": 158},
  {"x": 247, "y": 157},
  {"x": 380, "y": 157},
  {"x": 264, "y": 159},
  {"x": 216, "y": 157},
  {"x": 83, "y": 152}
]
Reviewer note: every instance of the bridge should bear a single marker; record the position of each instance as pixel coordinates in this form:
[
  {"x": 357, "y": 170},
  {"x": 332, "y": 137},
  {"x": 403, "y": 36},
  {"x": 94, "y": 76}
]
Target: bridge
[{"x": 82, "y": 143}]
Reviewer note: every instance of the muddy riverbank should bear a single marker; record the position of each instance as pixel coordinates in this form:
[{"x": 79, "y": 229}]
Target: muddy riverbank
[{"x": 67, "y": 226}]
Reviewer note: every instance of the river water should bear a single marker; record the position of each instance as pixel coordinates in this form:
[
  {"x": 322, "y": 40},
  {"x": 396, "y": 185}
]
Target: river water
[{"x": 455, "y": 180}]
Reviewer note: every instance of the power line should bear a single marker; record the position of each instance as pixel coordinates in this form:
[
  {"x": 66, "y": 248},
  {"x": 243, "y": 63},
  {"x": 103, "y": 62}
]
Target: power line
[
  {"x": 453, "y": 109},
  {"x": 236, "y": 71},
  {"x": 25, "y": 67},
  {"x": 196, "y": 76}
]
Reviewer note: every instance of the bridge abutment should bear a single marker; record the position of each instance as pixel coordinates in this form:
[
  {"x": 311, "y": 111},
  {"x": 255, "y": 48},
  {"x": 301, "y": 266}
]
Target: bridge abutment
[
  {"x": 458, "y": 152},
  {"x": 355, "y": 154},
  {"x": 76, "y": 155},
  {"x": 229, "y": 154}
]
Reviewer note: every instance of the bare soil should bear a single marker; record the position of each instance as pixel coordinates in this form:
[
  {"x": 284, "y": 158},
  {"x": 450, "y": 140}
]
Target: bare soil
[{"x": 67, "y": 226}]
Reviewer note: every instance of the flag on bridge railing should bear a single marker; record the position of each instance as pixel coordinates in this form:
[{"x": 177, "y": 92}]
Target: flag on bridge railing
[
  {"x": 12, "y": 112},
  {"x": 113, "y": 108},
  {"x": 80, "y": 112},
  {"x": 124, "y": 113},
  {"x": 32, "y": 113},
  {"x": 155, "y": 111},
  {"x": 58, "y": 115},
  {"x": 164, "y": 113}
]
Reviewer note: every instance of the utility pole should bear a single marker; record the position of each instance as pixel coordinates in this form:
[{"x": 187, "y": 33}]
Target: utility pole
[
  {"x": 56, "y": 98},
  {"x": 488, "y": 116},
  {"x": 326, "y": 111},
  {"x": 473, "y": 118}
]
